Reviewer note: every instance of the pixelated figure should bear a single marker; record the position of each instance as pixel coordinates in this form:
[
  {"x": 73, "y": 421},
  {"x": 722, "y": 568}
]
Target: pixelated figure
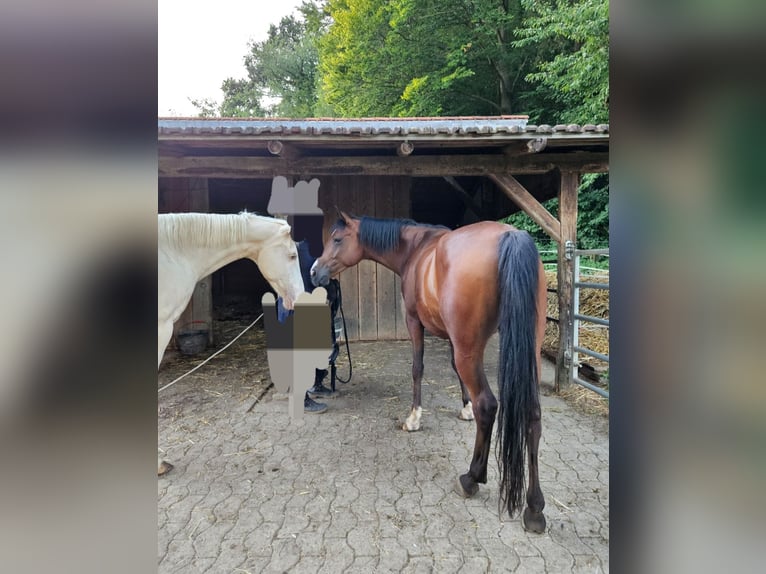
[
  {"x": 306, "y": 260},
  {"x": 301, "y": 202},
  {"x": 297, "y": 346},
  {"x": 298, "y": 200}
]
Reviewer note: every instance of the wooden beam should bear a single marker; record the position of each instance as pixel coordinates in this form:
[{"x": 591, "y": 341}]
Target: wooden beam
[
  {"x": 464, "y": 196},
  {"x": 404, "y": 149},
  {"x": 526, "y": 201},
  {"x": 283, "y": 150},
  {"x": 570, "y": 182},
  {"x": 535, "y": 145},
  {"x": 414, "y": 165}
]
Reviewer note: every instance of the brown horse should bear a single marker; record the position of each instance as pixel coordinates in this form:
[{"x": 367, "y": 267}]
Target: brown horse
[{"x": 463, "y": 285}]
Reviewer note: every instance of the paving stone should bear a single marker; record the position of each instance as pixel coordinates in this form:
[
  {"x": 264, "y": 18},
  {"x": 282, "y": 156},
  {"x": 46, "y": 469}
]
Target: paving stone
[
  {"x": 350, "y": 492},
  {"x": 393, "y": 556},
  {"x": 419, "y": 565},
  {"x": 474, "y": 565},
  {"x": 363, "y": 539},
  {"x": 533, "y": 565},
  {"x": 338, "y": 556}
]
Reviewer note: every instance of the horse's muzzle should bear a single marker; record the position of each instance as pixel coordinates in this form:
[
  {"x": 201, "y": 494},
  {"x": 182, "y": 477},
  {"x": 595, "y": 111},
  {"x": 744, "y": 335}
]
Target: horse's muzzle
[{"x": 320, "y": 275}]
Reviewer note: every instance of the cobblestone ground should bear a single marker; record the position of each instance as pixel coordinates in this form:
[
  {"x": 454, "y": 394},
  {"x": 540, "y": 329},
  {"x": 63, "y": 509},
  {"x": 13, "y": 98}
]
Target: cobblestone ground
[{"x": 349, "y": 491}]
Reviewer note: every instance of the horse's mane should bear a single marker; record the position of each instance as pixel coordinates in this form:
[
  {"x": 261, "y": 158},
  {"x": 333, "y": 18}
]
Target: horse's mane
[
  {"x": 383, "y": 235},
  {"x": 210, "y": 229}
]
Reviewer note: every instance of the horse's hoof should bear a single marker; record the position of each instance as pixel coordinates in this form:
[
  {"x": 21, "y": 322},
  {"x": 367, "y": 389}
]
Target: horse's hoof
[
  {"x": 413, "y": 421},
  {"x": 164, "y": 468},
  {"x": 466, "y": 486},
  {"x": 533, "y": 521},
  {"x": 466, "y": 413}
]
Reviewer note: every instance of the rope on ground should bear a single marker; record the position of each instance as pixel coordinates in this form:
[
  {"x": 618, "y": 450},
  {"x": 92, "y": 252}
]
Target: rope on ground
[{"x": 219, "y": 351}]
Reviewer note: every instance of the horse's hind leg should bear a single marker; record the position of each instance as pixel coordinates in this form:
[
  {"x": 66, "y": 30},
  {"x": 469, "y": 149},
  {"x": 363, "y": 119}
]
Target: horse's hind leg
[
  {"x": 466, "y": 413},
  {"x": 471, "y": 369},
  {"x": 533, "y": 518},
  {"x": 415, "y": 328}
]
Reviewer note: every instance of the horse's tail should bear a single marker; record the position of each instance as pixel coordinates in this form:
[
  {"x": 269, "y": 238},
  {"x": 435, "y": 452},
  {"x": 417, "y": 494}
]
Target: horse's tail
[{"x": 517, "y": 369}]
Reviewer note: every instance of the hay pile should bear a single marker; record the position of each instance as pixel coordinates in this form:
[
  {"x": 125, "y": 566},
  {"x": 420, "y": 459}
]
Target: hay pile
[{"x": 595, "y": 303}]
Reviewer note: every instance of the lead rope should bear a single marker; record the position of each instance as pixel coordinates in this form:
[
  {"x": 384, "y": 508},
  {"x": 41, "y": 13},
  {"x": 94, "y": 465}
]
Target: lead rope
[
  {"x": 345, "y": 337},
  {"x": 218, "y": 352}
]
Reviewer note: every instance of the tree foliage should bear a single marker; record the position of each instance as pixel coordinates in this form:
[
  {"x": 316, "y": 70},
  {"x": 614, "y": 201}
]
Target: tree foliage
[
  {"x": 357, "y": 58},
  {"x": 422, "y": 58},
  {"x": 281, "y": 70},
  {"x": 574, "y": 72},
  {"x": 592, "y": 215},
  {"x": 548, "y": 59}
]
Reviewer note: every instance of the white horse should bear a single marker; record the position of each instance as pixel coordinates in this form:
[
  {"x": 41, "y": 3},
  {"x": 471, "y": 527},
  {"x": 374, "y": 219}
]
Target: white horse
[{"x": 191, "y": 246}]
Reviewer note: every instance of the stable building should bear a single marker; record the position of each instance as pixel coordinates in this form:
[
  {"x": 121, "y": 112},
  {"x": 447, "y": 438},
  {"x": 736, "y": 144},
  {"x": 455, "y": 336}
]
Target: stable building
[{"x": 449, "y": 171}]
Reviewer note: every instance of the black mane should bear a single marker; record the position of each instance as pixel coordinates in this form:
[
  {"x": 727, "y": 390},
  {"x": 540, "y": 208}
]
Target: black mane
[{"x": 382, "y": 235}]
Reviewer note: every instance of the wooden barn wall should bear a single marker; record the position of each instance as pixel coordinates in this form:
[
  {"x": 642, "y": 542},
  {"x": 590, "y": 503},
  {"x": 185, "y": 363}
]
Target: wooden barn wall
[
  {"x": 372, "y": 302},
  {"x": 177, "y": 195}
]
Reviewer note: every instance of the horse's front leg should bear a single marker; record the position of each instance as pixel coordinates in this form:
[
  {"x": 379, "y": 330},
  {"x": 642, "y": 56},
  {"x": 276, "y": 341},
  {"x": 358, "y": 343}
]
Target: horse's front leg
[
  {"x": 415, "y": 328},
  {"x": 164, "y": 334}
]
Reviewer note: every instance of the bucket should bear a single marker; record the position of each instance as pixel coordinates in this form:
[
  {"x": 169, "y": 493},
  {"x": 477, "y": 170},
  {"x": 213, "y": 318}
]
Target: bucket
[{"x": 192, "y": 338}]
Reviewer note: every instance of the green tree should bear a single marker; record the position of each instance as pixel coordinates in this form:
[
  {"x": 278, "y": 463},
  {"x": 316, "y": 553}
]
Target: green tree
[
  {"x": 592, "y": 215},
  {"x": 423, "y": 58},
  {"x": 573, "y": 66},
  {"x": 281, "y": 70},
  {"x": 355, "y": 58}
]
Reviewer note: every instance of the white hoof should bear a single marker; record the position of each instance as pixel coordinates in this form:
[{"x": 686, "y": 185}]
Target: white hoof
[
  {"x": 466, "y": 413},
  {"x": 413, "y": 421}
]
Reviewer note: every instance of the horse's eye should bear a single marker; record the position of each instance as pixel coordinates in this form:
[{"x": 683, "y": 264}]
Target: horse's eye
[{"x": 337, "y": 240}]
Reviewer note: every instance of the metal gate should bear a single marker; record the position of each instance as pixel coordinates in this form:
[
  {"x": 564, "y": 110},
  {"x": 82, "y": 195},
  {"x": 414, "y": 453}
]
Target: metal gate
[{"x": 578, "y": 318}]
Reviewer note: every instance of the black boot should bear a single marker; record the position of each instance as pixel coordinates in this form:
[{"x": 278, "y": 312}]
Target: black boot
[
  {"x": 311, "y": 406},
  {"x": 319, "y": 390}
]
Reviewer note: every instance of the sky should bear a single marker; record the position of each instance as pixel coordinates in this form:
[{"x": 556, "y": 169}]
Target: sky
[{"x": 201, "y": 43}]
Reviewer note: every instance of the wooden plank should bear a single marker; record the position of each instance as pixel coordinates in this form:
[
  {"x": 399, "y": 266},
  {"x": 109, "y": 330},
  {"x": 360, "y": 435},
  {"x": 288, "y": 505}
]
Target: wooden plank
[
  {"x": 465, "y": 197},
  {"x": 173, "y": 196},
  {"x": 386, "y": 283},
  {"x": 192, "y": 195},
  {"x": 202, "y": 300},
  {"x": 526, "y": 201},
  {"x": 414, "y": 165},
  {"x": 328, "y": 198},
  {"x": 349, "y": 279},
  {"x": 570, "y": 182},
  {"x": 402, "y": 209},
  {"x": 368, "y": 292}
]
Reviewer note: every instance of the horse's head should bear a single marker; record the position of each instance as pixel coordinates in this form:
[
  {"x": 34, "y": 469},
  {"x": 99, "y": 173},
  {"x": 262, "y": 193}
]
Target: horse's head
[
  {"x": 341, "y": 251},
  {"x": 278, "y": 262}
]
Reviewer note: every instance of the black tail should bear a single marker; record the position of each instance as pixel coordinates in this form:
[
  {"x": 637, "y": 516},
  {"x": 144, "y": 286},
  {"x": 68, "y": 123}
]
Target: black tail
[{"x": 517, "y": 369}]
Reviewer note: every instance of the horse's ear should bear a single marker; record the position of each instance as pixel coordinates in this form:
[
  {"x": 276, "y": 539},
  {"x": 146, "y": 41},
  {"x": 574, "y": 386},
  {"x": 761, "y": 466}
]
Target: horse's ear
[{"x": 342, "y": 215}]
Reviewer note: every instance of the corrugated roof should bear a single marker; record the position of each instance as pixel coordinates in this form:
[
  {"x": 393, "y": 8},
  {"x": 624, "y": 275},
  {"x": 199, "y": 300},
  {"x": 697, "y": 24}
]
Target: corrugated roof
[{"x": 472, "y": 126}]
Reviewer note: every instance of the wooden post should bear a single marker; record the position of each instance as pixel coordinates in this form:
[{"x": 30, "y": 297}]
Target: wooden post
[
  {"x": 570, "y": 181},
  {"x": 200, "y": 307}
]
